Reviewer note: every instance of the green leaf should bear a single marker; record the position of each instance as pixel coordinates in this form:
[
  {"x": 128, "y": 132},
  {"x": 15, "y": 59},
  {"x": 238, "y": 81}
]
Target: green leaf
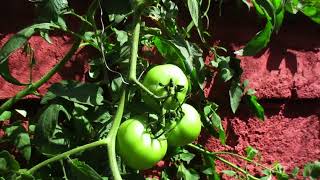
[
  {"x": 58, "y": 143},
  {"x": 13, "y": 129},
  {"x": 229, "y": 173},
  {"x": 187, "y": 174},
  {"x": 311, "y": 9},
  {"x": 15, "y": 42},
  {"x": 216, "y": 121},
  {"x": 50, "y": 10},
  {"x": 122, "y": 36},
  {"x": 61, "y": 23},
  {"x": 210, "y": 113},
  {"x": 25, "y": 175},
  {"x": 279, "y": 20},
  {"x": 164, "y": 175},
  {"x": 193, "y": 6},
  {"x": 182, "y": 154},
  {"x": 81, "y": 123},
  {"x": 255, "y": 106},
  {"x": 268, "y": 177},
  {"x": 280, "y": 172},
  {"x": 208, "y": 171},
  {"x": 259, "y": 42},
  {"x": 168, "y": 50},
  {"x": 5, "y": 73},
  {"x": 48, "y": 120},
  {"x": 22, "y": 142},
  {"x": 312, "y": 170},
  {"x": 251, "y": 152},
  {"x": 5, "y": 115},
  {"x": 226, "y": 72},
  {"x": 210, "y": 168},
  {"x": 186, "y": 156},
  {"x": 235, "y": 94},
  {"x": 19, "y": 39},
  {"x": 265, "y": 8},
  {"x": 95, "y": 68},
  {"x": 82, "y": 171},
  {"x": 8, "y": 163},
  {"x": 82, "y": 93},
  {"x": 292, "y": 6},
  {"x": 19, "y": 138},
  {"x": 295, "y": 172}
]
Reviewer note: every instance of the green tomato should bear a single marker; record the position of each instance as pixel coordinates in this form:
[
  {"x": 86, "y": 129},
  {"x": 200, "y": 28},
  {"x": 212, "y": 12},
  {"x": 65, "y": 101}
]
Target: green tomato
[
  {"x": 137, "y": 147},
  {"x": 187, "y": 129},
  {"x": 168, "y": 81}
]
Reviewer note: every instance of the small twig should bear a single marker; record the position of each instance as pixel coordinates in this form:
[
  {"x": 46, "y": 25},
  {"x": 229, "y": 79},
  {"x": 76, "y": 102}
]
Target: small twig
[
  {"x": 63, "y": 170},
  {"x": 223, "y": 160}
]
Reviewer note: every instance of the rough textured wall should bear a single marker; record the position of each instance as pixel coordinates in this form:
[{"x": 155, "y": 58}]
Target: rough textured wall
[{"x": 286, "y": 77}]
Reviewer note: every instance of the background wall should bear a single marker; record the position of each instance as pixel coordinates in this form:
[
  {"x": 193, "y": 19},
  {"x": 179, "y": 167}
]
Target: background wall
[{"x": 286, "y": 77}]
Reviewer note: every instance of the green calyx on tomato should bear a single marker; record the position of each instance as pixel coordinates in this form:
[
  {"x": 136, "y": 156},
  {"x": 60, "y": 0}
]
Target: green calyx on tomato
[
  {"x": 185, "y": 130},
  {"x": 137, "y": 147},
  {"x": 167, "y": 81}
]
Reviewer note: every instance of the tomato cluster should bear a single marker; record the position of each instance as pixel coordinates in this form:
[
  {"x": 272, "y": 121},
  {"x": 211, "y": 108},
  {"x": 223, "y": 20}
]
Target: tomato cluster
[{"x": 137, "y": 145}]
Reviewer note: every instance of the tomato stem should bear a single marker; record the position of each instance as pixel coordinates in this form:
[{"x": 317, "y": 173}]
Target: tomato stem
[
  {"x": 222, "y": 160},
  {"x": 134, "y": 46},
  {"x": 112, "y": 137},
  {"x": 243, "y": 158},
  {"x": 68, "y": 153}
]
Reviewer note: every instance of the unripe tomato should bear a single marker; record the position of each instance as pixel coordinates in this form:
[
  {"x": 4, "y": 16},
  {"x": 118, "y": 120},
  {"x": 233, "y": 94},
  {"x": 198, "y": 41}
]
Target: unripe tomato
[
  {"x": 185, "y": 130},
  {"x": 165, "y": 80},
  {"x": 137, "y": 147}
]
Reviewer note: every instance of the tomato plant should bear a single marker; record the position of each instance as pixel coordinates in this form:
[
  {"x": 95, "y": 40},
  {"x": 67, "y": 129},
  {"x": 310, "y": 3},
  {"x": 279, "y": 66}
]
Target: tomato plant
[
  {"x": 139, "y": 148},
  {"x": 169, "y": 83},
  {"x": 77, "y": 132},
  {"x": 185, "y": 130}
]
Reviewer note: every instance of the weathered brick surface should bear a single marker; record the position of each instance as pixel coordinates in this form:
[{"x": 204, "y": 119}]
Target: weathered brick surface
[
  {"x": 289, "y": 135},
  {"x": 288, "y": 68},
  {"x": 46, "y": 56}
]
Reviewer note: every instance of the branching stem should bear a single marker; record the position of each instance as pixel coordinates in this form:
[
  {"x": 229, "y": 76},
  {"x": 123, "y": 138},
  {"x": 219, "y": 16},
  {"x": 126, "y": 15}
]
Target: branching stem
[
  {"x": 67, "y": 154},
  {"x": 112, "y": 137},
  {"x": 222, "y": 160}
]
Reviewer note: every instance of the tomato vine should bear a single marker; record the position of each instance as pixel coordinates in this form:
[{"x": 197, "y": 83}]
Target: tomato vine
[{"x": 77, "y": 119}]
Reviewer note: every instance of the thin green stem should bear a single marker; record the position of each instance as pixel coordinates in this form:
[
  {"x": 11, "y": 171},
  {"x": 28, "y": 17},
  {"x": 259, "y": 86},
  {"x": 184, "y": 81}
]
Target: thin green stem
[
  {"x": 117, "y": 120},
  {"x": 112, "y": 137},
  {"x": 64, "y": 155},
  {"x": 134, "y": 47},
  {"x": 223, "y": 160},
  {"x": 236, "y": 167},
  {"x": 145, "y": 89},
  {"x": 79, "y": 17},
  {"x": 65, "y": 177},
  {"x": 243, "y": 158}
]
